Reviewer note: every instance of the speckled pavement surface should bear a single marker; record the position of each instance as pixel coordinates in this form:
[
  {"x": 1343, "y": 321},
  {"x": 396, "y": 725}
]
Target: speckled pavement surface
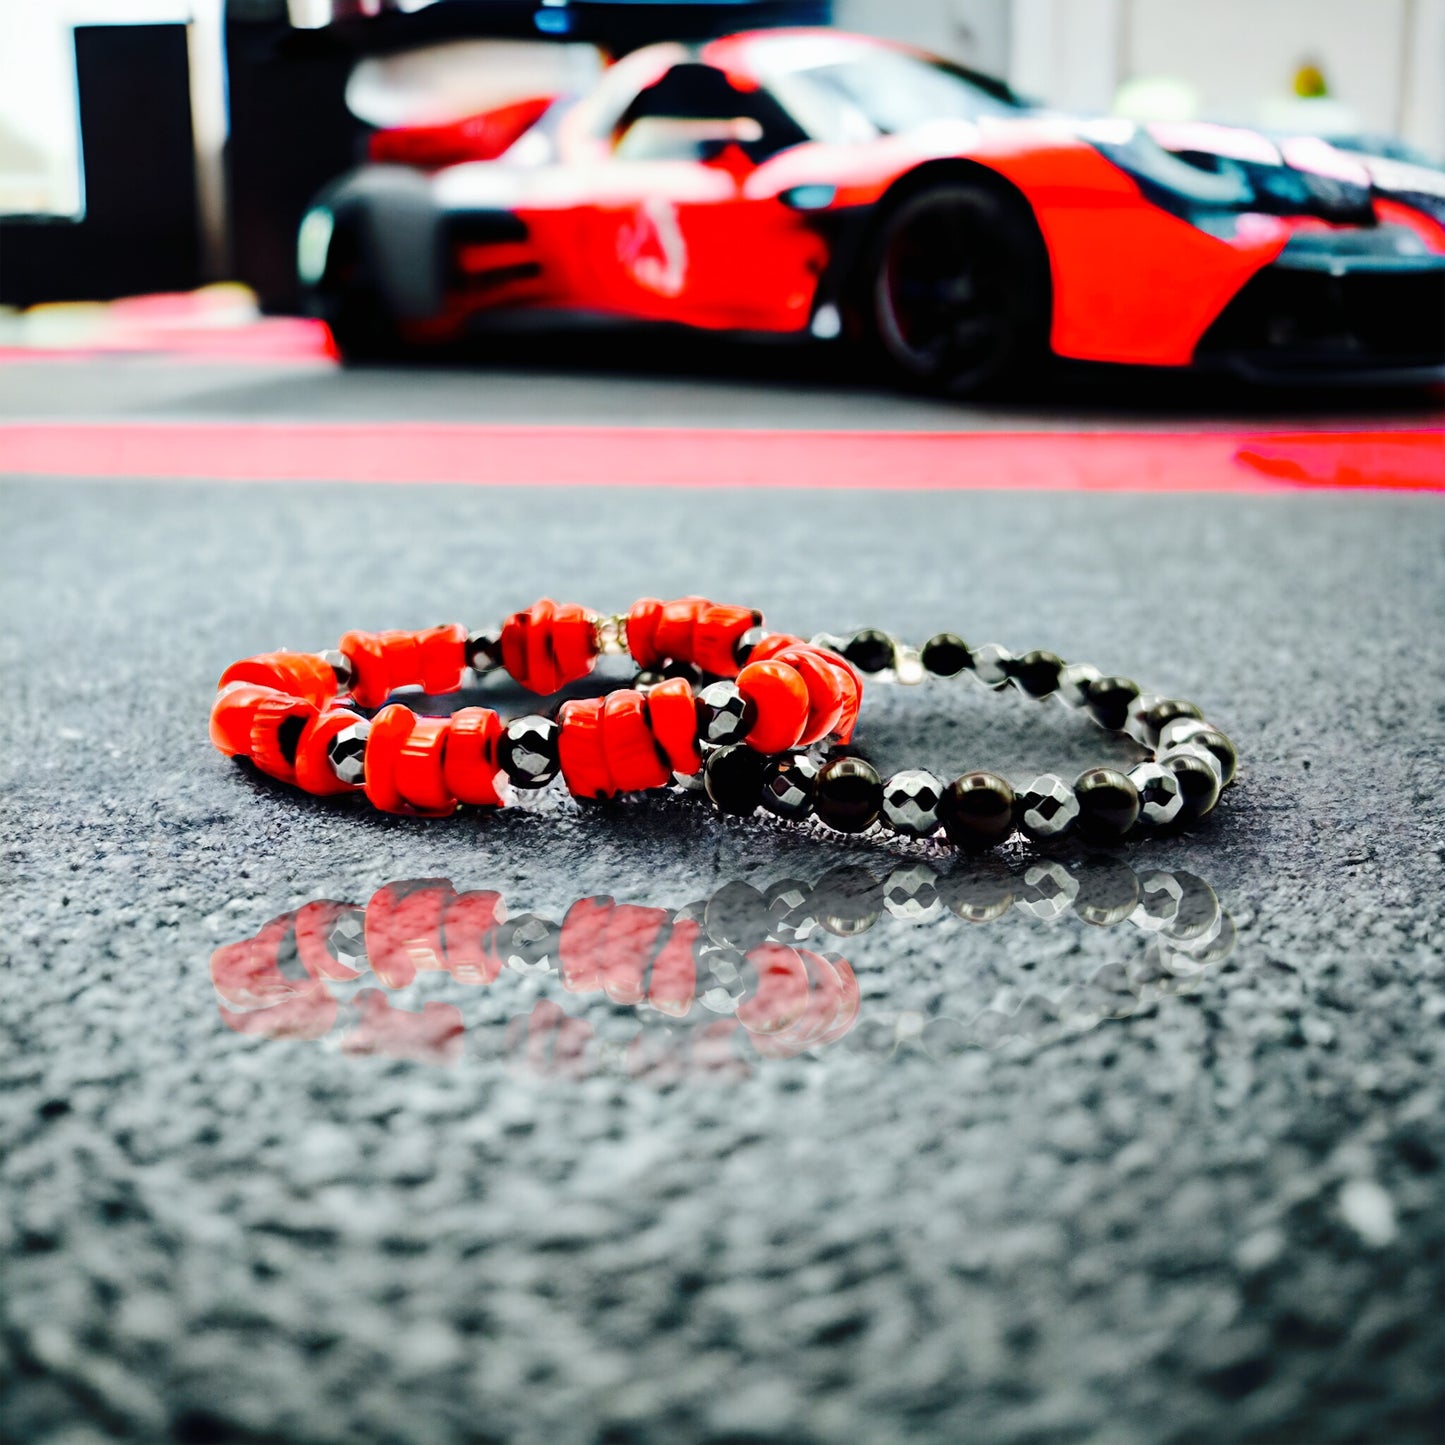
[{"x": 1216, "y": 1218}]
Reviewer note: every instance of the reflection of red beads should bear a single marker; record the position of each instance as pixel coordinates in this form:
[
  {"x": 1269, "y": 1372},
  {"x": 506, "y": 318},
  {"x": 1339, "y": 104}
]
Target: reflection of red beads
[{"x": 797, "y": 1000}]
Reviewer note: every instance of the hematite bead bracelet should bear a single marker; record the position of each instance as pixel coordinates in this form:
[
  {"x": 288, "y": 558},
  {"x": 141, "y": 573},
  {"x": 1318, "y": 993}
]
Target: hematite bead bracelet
[
  {"x": 719, "y": 706},
  {"x": 1190, "y": 761}
]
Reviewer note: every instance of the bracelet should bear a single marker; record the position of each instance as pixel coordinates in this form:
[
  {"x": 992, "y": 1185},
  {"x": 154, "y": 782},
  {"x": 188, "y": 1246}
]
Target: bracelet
[
  {"x": 719, "y": 706},
  {"x": 299, "y": 716},
  {"x": 1188, "y": 764}
]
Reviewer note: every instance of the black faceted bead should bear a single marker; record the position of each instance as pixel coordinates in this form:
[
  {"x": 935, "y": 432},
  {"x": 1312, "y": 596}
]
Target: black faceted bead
[
  {"x": 1108, "y": 891},
  {"x": 910, "y": 803},
  {"x": 288, "y": 737},
  {"x": 737, "y": 916},
  {"x": 978, "y": 890},
  {"x": 743, "y": 647},
  {"x": 527, "y": 751},
  {"x": 733, "y": 777},
  {"x": 1109, "y": 700},
  {"x": 946, "y": 655},
  {"x": 847, "y": 901},
  {"x": 724, "y": 715},
  {"x": 849, "y": 795},
  {"x": 789, "y": 785},
  {"x": 869, "y": 650},
  {"x": 1214, "y": 741},
  {"x": 685, "y": 670},
  {"x": 1038, "y": 673},
  {"x": 527, "y": 943},
  {"x": 1108, "y": 804},
  {"x": 1198, "y": 782},
  {"x": 977, "y": 810},
  {"x": 789, "y": 903},
  {"x": 484, "y": 649},
  {"x": 1153, "y": 718}
]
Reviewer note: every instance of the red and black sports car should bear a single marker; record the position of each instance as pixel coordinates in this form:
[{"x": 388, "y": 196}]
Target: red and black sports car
[{"x": 814, "y": 183}]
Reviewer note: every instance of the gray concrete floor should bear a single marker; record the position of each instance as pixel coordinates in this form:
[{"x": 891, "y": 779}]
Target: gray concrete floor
[{"x": 1217, "y": 1217}]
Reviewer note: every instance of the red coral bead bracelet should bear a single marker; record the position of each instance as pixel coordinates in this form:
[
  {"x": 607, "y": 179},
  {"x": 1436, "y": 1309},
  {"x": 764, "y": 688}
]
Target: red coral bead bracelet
[{"x": 766, "y": 731}]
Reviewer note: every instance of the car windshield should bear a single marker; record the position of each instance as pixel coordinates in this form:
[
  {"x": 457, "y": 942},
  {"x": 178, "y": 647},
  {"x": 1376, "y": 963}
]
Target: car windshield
[{"x": 859, "y": 93}]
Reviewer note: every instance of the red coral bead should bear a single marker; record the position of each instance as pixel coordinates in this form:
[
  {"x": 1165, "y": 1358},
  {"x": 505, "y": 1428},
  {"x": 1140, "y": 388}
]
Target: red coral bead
[
  {"x": 296, "y": 674},
  {"x": 580, "y": 946},
  {"x": 672, "y": 715},
  {"x": 715, "y": 637},
  {"x": 631, "y": 936},
  {"x": 277, "y": 726},
  {"x": 467, "y": 931},
  {"x": 779, "y": 693},
  {"x": 370, "y": 676},
  {"x": 580, "y": 749},
  {"x": 825, "y": 692},
  {"x": 443, "y": 652},
  {"x": 470, "y": 769},
  {"x": 674, "y": 970},
  {"x": 390, "y": 728},
  {"x": 549, "y": 645},
  {"x": 232, "y": 714},
  {"x": 403, "y": 929},
  {"x": 314, "y": 772},
  {"x": 634, "y": 760},
  {"x": 676, "y": 627},
  {"x": 574, "y": 642},
  {"x": 642, "y": 623},
  {"x": 419, "y": 773},
  {"x": 782, "y": 992}
]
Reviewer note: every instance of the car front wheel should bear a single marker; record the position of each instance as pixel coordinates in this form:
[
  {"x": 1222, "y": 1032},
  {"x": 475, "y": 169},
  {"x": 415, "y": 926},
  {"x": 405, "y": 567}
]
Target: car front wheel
[{"x": 959, "y": 290}]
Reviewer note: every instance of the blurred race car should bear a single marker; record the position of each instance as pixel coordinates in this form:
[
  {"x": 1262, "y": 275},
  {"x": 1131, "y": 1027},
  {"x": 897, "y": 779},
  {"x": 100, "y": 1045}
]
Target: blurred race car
[{"x": 816, "y": 184}]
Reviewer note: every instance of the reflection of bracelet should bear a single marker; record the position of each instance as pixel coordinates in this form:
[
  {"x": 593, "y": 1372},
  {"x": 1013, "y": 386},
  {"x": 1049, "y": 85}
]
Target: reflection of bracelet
[
  {"x": 758, "y": 734},
  {"x": 734, "y": 962}
]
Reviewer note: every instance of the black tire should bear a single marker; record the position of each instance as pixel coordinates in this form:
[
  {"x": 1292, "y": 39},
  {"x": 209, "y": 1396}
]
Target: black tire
[
  {"x": 348, "y": 300},
  {"x": 957, "y": 295},
  {"x": 360, "y": 325}
]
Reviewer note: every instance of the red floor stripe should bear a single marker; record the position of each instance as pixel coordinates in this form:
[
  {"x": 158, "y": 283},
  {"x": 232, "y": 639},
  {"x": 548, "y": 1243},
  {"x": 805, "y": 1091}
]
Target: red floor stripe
[{"x": 658, "y": 457}]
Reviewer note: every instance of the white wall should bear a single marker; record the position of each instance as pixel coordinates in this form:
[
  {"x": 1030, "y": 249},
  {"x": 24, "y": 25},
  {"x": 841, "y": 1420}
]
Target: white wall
[
  {"x": 1383, "y": 59},
  {"x": 39, "y": 125}
]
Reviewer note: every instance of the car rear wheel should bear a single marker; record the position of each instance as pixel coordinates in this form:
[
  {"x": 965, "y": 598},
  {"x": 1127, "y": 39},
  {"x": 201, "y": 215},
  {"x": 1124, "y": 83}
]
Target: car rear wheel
[
  {"x": 349, "y": 301},
  {"x": 959, "y": 290}
]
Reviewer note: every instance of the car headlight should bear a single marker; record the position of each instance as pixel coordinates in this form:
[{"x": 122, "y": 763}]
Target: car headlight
[{"x": 313, "y": 242}]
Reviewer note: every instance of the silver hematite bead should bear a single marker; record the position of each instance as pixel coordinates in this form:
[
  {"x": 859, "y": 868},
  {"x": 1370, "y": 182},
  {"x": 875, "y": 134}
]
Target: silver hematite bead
[
  {"x": 341, "y": 667},
  {"x": 528, "y": 943},
  {"x": 1048, "y": 890},
  {"x": 346, "y": 752},
  {"x": 991, "y": 665},
  {"x": 527, "y": 751},
  {"x": 1074, "y": 682},
  {"x": 721, "y": 978},
  {"x": 724, "y": 715},
  {"x": 1161, "y": 799},
  {"x": 346, "y": 942},
  {"x": 1178, "y": 730},
  {"x": 911, "y": 893},
  {"x": 1047, "y": 807},
  {"x": 910, "y": 803}
]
